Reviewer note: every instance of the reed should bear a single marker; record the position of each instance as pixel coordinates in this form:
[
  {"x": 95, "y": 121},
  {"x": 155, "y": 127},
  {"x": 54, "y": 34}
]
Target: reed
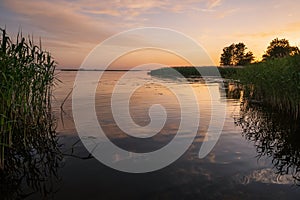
[
  {"x": 189, "y": 71},
  {"x": 26, "y": 77},
  {"x": 275, "y": 83}
]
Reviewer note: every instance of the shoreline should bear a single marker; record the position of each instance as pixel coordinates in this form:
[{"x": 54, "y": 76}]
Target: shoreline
[{"x": 107, "y": 70}]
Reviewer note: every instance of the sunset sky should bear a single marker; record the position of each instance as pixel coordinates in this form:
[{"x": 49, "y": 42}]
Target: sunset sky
[{"x": 70, "y": 29}]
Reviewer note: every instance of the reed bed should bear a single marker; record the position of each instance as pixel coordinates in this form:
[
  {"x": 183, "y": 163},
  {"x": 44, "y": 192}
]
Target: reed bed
[
  {"x": 26, "y": 122},
  {"x": 188, "y": 71},
  {"x": 275, "y": 83}
]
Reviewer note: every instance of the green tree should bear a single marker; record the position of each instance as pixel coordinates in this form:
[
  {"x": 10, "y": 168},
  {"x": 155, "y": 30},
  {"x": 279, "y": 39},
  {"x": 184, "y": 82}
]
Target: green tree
[
  {"x": 280, "y": 48},
  {"x": 235, "y": 54}
]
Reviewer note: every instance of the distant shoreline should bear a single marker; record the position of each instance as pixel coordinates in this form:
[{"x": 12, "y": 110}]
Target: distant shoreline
[
  {"x": 126, "y": 70},
  {"x": 107, "y": 70}
]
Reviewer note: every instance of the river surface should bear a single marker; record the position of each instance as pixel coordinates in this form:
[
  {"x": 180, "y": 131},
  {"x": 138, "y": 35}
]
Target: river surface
[{"x": 234, "y": 169}]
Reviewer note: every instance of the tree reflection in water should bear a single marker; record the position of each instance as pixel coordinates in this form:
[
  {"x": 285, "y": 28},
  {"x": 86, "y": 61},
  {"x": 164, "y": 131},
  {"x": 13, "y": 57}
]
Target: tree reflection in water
[{"x": 274, "y": 135}]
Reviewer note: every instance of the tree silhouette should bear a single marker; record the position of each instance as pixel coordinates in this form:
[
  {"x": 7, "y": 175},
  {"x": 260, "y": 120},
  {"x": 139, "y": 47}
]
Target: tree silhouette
[
  {"x": 234, "y": 55},
  {"x": 280, "y": 48}
]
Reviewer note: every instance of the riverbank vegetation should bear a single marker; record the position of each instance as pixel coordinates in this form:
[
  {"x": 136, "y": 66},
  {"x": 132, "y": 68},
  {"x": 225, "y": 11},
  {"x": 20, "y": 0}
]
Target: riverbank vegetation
[
  {"x": 274, "y": 81},
  {"x": 27, "y": 128},
  {"x": 189, "y": 72}
]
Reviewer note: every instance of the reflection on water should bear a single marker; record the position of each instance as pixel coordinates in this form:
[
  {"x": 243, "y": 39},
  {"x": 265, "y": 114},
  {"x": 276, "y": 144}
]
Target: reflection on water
[
  {"x": 31, "y": 164},
  {"x": 230, "y": 171},
  {"x": 274, "y": 135},
  {"x": 233, "y": 90}
]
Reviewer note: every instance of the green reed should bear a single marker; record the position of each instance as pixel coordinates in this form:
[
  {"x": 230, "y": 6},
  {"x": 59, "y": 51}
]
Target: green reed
[
  {"x": 275, "y": 83},
  {"x": 26, "y": 80}
]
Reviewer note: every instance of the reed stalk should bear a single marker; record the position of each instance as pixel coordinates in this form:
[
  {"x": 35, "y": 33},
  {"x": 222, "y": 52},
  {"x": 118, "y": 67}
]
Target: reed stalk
[
  {"x": 276, "y": 83},
  {"x": 26, "y": 77}
]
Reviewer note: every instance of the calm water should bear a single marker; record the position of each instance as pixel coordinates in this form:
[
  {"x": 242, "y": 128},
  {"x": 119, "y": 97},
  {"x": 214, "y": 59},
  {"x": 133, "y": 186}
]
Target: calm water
[{"x": 239, "y": 166}]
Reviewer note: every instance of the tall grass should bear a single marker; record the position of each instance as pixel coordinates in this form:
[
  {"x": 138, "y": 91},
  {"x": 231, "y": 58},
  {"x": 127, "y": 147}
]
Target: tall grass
[
  {"x": 26, "y": 80},
  {"x": 28, "y": 145},
  {"x": 276, "y": 83}
]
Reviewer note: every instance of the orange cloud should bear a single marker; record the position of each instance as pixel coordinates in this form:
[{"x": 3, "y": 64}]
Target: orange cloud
[
  {"x": 288, "y": 28},
  {"x": 71, "y": 28}
]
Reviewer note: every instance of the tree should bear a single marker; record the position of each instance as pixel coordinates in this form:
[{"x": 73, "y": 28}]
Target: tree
[
  {"x": 234, "y": 55},
  {"x": 280, "y": 48},
  {"x": 227, "y": 55}
]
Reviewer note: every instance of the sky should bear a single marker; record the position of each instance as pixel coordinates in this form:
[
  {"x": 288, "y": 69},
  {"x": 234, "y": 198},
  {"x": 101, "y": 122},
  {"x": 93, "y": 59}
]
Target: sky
[{"x": 70, "y": 29}]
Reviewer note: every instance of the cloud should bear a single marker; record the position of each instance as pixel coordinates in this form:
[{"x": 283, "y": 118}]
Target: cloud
[
  {"x": 226, "y": 13},
  {"x": 103, "y": 12},
  {"x": 78, "y": 25},
  {"x": 70, "y": 18},
  {"x": 64, "y": 30},
  {"x": 262, "y": 34},
  {"x": 58, "y": 20},
  {"x": 292, "y": 27},
  {"x": 133, "y": 8},
  {"x": 288, "y": 28},
  {"x": 124, "y": 9},
  {"x": 213, "y": 3}
]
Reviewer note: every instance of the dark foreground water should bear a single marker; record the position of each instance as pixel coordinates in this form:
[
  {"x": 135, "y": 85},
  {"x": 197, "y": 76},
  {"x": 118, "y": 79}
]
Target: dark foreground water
[{"x": 256, "y": 157}]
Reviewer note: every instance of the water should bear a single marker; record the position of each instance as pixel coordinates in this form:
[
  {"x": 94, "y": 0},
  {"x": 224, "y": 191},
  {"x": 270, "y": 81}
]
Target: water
[{"x": 236, "y": 168}]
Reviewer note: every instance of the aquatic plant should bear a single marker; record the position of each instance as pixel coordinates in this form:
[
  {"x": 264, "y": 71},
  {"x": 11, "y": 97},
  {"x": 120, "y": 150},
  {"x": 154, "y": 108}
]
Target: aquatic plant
[
  {"x": 27, "y": 127},
  {"x": 275, "y": 83},
  {"x": 189, "y": 71}
]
